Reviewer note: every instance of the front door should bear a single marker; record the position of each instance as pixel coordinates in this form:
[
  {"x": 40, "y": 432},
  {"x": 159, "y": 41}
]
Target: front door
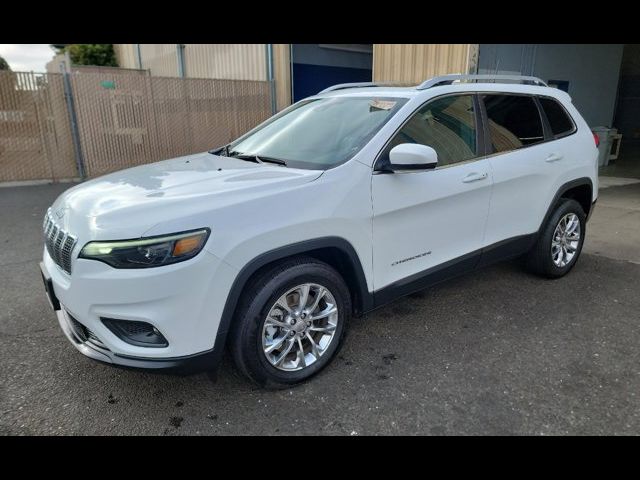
[{"x": 425, "y": 221}]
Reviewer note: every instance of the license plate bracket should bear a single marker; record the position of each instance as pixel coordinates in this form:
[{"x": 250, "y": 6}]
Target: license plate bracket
[{"x": 48, "y": 288}]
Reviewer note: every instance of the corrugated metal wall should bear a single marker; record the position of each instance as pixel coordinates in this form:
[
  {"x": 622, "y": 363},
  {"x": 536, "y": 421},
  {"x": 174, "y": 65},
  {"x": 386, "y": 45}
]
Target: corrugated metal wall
[
  {"x": 53, "y": 66},
  {"x": 282, "y": 74},
  {"x": 413, "y": 63},
  {"x": 403, "y": 63},
  {"x": 223, "y": 61},
  {"x": 160, "y": 58},
  {"x": 234, "y": 61},
  {"x": 126, "y": 55}
]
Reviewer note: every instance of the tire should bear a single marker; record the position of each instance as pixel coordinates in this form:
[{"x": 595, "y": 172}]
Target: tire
[
  {"x": 253, "y": 332},
  {"x": 545, "y": 259}
]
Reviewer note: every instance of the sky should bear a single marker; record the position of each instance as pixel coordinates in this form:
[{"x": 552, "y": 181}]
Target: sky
[{"x": 26, "y": 57}]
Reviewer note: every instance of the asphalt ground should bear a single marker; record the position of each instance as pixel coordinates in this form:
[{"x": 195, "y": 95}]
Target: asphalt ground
[{"x": 495, "y": 352}]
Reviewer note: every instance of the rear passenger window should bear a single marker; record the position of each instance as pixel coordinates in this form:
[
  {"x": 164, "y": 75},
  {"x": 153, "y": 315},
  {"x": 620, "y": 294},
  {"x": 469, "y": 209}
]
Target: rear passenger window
[
  {"x": 514, "y": 121},
  {"x": 559, "y": 120}
]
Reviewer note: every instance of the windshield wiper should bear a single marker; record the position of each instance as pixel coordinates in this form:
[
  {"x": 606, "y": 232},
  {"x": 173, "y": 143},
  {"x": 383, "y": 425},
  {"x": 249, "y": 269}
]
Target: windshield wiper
[
  {"x": 257, "y": 158},
  {"x": 277, "y": 161},
  {"x": 221, "y": 151}
]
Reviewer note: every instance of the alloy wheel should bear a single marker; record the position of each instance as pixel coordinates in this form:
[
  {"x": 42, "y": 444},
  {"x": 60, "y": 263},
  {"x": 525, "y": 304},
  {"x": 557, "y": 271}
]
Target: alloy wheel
[
  {"x": 565, "y": 240},
  {"x": 300, "y": 327}
]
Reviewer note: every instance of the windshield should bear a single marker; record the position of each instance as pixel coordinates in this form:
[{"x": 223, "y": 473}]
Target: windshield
[{"x": 319, "y": 133}]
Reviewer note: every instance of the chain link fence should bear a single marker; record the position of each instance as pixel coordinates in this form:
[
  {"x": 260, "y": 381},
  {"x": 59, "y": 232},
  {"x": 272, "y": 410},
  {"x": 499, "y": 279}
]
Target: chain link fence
[{"x": 122, "y": 119}]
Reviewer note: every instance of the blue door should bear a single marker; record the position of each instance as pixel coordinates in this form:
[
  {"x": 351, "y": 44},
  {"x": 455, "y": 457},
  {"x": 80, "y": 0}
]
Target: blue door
[{"x": 317, "y": 66}]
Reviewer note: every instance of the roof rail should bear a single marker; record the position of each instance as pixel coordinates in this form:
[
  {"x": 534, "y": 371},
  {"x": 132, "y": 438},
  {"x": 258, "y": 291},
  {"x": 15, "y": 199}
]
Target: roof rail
[
  {"x": 342, "y": 86},
  {"x": 449, "y": 79}
]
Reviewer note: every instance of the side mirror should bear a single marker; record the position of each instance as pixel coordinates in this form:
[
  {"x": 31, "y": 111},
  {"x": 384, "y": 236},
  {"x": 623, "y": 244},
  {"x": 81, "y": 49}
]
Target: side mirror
[{"x": 412, "y": 156}]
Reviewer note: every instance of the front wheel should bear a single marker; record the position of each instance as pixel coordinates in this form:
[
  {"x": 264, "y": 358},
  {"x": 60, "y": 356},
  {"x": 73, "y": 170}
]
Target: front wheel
[
  {"x": 290, "y": 323},
  {"x": 559, "y": 246}
]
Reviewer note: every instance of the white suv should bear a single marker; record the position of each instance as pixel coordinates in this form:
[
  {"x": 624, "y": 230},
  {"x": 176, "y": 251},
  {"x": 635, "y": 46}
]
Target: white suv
[{"x": 337, "y": 205}]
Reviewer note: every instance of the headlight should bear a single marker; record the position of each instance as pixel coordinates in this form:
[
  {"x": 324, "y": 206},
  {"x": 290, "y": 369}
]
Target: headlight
[{"x": 147, "y": 252}]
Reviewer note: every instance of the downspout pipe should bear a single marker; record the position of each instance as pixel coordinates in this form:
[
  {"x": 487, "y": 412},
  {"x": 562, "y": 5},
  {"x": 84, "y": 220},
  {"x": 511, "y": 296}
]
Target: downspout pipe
[
  {"x": 181, "y": 64},
  {"x": 271, "y": 77},
  {"x": 139, "y": 56}
]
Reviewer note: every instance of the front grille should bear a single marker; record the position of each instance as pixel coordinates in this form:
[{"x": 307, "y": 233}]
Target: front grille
[
  {"x": 79, "y": 329},
  {"x": 84, "y": 334},
  {"x": 59, "y": 243}
]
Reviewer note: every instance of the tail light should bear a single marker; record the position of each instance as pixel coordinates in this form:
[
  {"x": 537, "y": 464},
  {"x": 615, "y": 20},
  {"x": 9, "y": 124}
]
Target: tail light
[{"x": 596, "y": 139}]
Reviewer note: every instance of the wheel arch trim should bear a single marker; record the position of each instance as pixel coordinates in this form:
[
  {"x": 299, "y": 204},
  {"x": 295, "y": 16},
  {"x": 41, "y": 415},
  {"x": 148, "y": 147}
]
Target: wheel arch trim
[
  {"x": 564, "y": 188},
  {"x": 280, "y": 253}
]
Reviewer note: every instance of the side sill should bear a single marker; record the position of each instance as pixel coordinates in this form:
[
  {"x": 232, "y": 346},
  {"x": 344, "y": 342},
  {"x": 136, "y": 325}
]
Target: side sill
[
  {"x": 427, "y": 278},
  {"x": 498, "y": 252}
]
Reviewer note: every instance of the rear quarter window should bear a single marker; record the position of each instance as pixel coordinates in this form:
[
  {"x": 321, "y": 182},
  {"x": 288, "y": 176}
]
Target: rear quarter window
[{"x": 559, "y": 120}]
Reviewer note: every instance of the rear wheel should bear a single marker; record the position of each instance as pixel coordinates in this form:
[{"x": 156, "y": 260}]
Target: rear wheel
[
  {"x": 559, "y": 246},
  {"x": 290, "y": 323}
]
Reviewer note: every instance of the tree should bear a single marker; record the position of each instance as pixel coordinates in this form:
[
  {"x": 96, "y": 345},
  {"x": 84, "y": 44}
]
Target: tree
[
  {"x": 4, "y": 65},
  {"x": 94, "y": 54}
]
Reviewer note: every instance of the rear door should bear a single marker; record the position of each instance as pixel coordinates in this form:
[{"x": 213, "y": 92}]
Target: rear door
[{"x": 524, "y": 163}]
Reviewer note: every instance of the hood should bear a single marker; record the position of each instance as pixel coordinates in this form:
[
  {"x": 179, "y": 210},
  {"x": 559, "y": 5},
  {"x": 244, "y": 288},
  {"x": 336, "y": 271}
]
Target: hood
[{"x": 147, "y": 194}]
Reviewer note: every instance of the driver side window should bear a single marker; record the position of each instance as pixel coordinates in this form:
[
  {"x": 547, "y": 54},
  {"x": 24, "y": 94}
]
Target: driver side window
[{"x": 446, "y": 124}]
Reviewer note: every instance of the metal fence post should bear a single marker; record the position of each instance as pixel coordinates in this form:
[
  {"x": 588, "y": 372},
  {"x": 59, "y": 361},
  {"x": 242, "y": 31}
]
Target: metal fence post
[
  {"x": 271, "y": 78},
  {"x": 75, "y": 133}
]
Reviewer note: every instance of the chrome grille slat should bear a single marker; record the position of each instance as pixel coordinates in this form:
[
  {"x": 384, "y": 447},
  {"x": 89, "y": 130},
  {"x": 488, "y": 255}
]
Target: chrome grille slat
[
  {"x": 56, "y": 245},
  {"x": 52, "y": 243},
  {"x": 59, "y": 243}
]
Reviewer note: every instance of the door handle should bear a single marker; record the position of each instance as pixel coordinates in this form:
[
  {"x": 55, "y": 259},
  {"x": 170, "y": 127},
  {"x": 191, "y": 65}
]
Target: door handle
[
  {"x": 474, "y": 177},
  {"x": 553, "y": 157}
]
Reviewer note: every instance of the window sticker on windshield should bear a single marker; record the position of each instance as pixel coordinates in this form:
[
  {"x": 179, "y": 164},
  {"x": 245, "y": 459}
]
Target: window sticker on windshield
[{"x": 381, "y": 105}]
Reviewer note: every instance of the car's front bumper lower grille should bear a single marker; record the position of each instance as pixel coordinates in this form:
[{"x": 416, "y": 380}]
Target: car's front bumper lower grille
[{"x": 84, "y": 334}]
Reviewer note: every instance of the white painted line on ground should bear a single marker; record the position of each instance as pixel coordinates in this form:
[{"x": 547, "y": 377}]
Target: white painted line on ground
[{"x": 606, "y": 182}]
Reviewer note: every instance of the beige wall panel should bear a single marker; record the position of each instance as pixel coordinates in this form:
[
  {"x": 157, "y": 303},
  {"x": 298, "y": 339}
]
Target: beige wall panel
[
  {"x": 282, "y": 73},
  {"x": 160, "y": 58},
  {"x": 126, "y": 55},
  {"x": 235, "y": 61},
  {"x": 53, "y": 66},
  {"x": 414, "y": 63}
]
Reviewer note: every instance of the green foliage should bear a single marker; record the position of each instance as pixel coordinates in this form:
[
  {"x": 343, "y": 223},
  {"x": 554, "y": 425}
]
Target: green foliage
[
  {"x": 4, "y": 65},
  {"x": 95, "y": 54}
]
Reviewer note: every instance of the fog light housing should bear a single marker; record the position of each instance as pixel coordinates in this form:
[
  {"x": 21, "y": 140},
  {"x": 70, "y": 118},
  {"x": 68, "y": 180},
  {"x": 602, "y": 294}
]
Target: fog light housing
[{"x": 134, "y": 332}]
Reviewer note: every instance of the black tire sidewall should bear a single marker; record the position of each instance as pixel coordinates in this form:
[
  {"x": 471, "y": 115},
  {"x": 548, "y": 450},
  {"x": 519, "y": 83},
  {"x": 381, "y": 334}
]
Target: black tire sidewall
[
  {"x": 566, "y": 206},
  {"x": 262, "y": 298}
]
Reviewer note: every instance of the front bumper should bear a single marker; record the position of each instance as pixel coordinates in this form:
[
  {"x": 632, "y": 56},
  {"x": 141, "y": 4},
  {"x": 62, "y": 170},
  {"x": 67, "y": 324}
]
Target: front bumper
[
  {"x": 199, "y": 362},
  {"x": 183, "y": 301}
]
